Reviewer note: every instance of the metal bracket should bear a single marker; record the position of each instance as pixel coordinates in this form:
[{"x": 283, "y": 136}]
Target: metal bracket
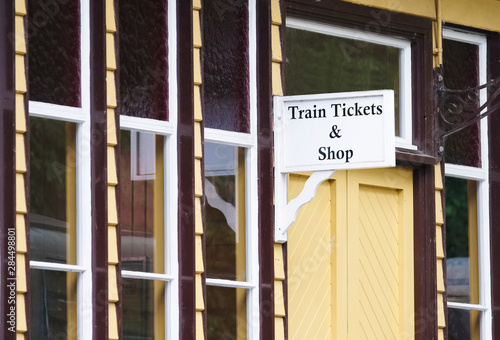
[
  {"x": 287, "y": 213},
  {"x": 459, "y": 109}
]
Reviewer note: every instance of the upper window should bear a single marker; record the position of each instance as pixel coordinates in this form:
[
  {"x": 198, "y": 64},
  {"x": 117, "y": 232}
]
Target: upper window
[
  {"x": 323, "y": 58},
  {"x": 230, "y": 158},
  {"x": 59, "y": 109},
  {"x": 148, "y": 169},
  {"x": 467, "y": 196}
]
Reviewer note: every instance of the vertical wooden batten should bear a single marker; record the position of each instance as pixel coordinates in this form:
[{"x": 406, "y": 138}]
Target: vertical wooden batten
[{"x": 186, "y": 170}]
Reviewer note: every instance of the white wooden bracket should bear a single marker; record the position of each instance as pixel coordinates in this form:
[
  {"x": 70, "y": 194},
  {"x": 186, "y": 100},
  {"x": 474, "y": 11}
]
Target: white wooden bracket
[{"x": 286, "y": 213}]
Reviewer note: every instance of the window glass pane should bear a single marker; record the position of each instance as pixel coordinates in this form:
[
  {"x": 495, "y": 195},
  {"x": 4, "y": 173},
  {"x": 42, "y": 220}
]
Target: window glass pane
[
  {"x": 226, "y": 313},
  {"x": 143, "y": 309},
  {"x": 225, "y": 212},
  {"x": 143, "y": 58},
  {"x": 53, "y": 305},
  {"x": 52, "y": 191},
  {"x": 142, "y": 201},
  {"x": 321, "y": 63},
  {"x": 461, "y": 241},
  {"x": 225, "y": 65},
  {"x": 54, "y": 52},
  {"x": 460, "y": 71},
  {"x": 463, "y": 324}
]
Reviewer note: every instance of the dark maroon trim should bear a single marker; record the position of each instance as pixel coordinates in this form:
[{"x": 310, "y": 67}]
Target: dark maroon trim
[
  {"x": 99, "y": 180},
  {"x": 185, "y": 150},
  {"x": 7, "y": 161},
  {"x": 424, "y": 243},
  {"x": 494, "y": 173},
  {"x": 265, "y": 170}
]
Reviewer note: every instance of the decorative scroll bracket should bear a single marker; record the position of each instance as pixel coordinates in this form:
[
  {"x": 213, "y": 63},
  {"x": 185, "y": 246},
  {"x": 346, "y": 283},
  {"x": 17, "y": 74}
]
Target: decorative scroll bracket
[
  {"x": 286, "y": 213},
  {"x": 459, "y": 109}
]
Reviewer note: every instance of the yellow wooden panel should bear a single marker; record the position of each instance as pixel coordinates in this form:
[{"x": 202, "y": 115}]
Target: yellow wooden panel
[
  {"x": 196, "y": 29},
  {"x": 112, "y": 286},
  {"x": 21, "y": 285},
  {"x": 438, "y": 176},
  {"x": 275, "y": 12},
  {"x": 276, "y": 43},
  {"x": 112, "y": 245},
  {"x": 110, "y": 117},
  {"x": 112, "y": 212},
  {"x": 440, "y": 276},
  {"x": 20, "y": 74},
  {"x": 113, "y": 322},
  {"x": 111, "y": 89},
  {"x": 198, "y": 217},
  {"x": 20, "y": 113},
  {"x": 19, "y": 336},
  {"x": 21, "y": 324},
  {"x": 200, "y": 335},
  {"x": 198, "y": 153},
  {"x": 20, "y": 195},
  {"x": 309, "y": 269},
  {"x": 112, "y": 174},
  {"x": 110, "y": 52},
  {"x": 198, "y": 187},
  {"x": 198, "y": 115},
  {"x": 197, "y": 4},
  {"x": 200, "y": 302},
  {"x": 196, "y": 66},
  {"x": 20, "y": 41},
  {"x": 440, "y": 311},
  {"x": 21, "y": 245},
  {"x": 110, "y": 17},
  {"x": 476, "y": 13},
  {"x": 440, "y": 334},
  {"x": 276, "y": 81},
  {"x": 20, "y": 154},
  {"x": 279, "y": 267},
  {"x": 279, "y": 301},
  {"x": 199, "y": 267},
  {"x": 439, "y": 209},
  {"x": 21, "y": 7},
  {"x": 279, "y": 329},
  {"x": 380, "y": 254},
  {"x": 439, "y": 243}
]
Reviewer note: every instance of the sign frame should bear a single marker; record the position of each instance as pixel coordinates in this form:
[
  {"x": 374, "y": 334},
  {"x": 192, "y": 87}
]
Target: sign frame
[{"x": 285, "y": 127}]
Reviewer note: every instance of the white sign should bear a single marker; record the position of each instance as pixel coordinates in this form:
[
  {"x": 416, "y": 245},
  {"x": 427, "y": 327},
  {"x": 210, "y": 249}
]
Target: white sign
[{"x": 335, "y": 131}]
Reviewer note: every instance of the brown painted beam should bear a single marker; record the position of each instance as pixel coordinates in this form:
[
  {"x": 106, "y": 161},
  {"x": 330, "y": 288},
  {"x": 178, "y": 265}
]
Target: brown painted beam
[{"x": 185, "y": 150}]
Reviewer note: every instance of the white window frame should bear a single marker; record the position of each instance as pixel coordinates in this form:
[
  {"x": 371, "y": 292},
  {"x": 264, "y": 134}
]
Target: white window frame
[
  {"x": 248, "y": 141},
  {"x": 81, "y": 117},
  {"x": 405, "y": 140},
  {"x": 168, "y": 129},
  {"x": 481, "y": 176}
]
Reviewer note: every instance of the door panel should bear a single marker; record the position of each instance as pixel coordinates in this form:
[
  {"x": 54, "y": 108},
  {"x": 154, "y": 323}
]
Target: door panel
[{"x": 350, "y": 271}]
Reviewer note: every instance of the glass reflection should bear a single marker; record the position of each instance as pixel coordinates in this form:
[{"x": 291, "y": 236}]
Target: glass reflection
[
  {"x": 53, "y": 305},
  {"x": 461, "y": 241},
  {"x": 334, "y": 64},
  {"x": 226, "y": 313},
  {"x": 52, "y": 191},
  {"x": 143, "y": 309},
  {"x": 142, "y": 201},
  {"x": 225, "y": 212}
]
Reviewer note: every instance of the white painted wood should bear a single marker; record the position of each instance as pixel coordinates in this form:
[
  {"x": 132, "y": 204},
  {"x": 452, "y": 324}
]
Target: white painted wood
[
  {"x": 56, "y": 267},
  {"x": 131, "y": 274},
  {"x": 229, "y": 283}
]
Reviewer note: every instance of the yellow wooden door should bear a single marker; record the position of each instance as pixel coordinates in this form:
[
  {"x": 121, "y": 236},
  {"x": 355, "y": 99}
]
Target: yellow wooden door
[{"x": 350, "y": 258}]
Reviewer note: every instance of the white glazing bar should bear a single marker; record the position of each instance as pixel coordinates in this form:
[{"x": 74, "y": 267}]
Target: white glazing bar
[
  {"x": 467, "y": 306},
  {"x": 59, "y": 112},
  {"x": 147, "y": 125},
  {"x": 130, "y": 274},
  {"x": 230, "y": 137},
  {"x": 229, "y": 283},
  {"x": 56, "y": 267}
]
